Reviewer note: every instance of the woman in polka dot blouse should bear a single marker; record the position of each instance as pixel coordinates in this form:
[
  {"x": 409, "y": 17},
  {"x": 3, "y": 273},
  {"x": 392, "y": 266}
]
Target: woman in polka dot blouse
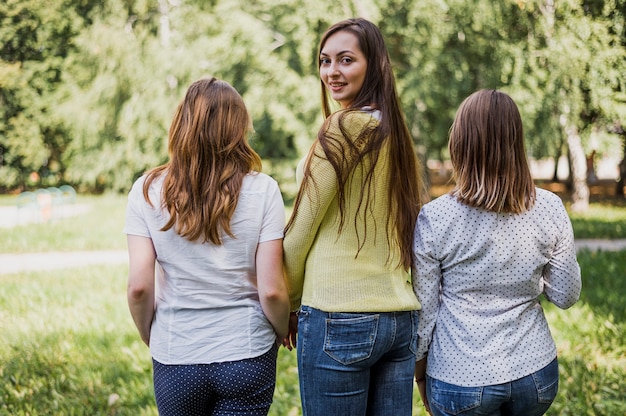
[
  {"x": 485, "y": 253},
  {"x": 213, "y": 224}
]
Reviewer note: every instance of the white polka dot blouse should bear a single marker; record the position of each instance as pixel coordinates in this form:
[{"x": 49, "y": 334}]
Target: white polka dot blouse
[{"x": 479, "y": 277}]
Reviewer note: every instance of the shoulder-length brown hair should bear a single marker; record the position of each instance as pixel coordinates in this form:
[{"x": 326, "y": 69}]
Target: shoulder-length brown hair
[
  {"x": 487, "y": 151},
  {"x": 405, "y": 186},
  {"x": 209, "y": 157}
]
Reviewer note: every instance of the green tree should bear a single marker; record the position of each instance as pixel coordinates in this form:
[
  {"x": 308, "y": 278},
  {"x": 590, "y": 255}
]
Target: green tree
[
  {"x": 87, "y": 89},
  {"x": 35, "y": 38},
  {"x": 572, "y": 72},
  {"x": 117, "y": 97},
  {"x": 443, "y": 52},
  {"x": 562, "y": 63},
  {"x": 137, "y": 59}
]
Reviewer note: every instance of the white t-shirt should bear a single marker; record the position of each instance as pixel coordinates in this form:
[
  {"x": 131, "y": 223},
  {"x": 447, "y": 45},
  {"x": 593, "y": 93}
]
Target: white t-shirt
[
  {"x": 479, "y": 276},
  {"x": 207, "y": 301}
]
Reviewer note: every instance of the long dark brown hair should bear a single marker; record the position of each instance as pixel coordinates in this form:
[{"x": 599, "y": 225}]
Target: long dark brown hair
[
  {"x": 209, "y": 157},
  {"x": 405, "y": 186},
  {"x": 487, "y": 151}
]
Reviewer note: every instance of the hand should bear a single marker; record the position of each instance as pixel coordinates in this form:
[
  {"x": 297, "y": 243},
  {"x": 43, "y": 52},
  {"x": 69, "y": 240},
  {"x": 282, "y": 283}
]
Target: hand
[
  {"x": 420, "y": 379},
  {"x": 421, "y": 387},
  {"x": 289, "y": 341}
]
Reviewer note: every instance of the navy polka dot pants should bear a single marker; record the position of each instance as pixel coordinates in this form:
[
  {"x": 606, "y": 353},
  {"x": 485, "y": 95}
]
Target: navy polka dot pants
[{"x": 239, "y": 388}]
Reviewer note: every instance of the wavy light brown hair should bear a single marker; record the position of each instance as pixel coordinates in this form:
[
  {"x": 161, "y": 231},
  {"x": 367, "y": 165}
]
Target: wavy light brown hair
[
  {"x": 486, "y": 143},
  {"x": 209, "y": 157},
  {"x": 405, "y": 189}
]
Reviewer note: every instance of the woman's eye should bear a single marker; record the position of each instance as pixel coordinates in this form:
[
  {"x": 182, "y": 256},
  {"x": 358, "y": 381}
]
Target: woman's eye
[
  {"x": 324, "y": 61},
  {"x": 346, "y": 60}
]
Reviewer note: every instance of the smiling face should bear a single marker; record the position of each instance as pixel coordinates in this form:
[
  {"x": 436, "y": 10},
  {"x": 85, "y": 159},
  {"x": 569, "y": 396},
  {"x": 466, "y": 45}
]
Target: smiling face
[{"x": 342, "y": 67}]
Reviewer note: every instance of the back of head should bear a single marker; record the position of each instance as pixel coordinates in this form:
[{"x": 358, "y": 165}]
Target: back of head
[
  {"x": 209, "y": 157},
  {"x": 209, "y": 127},
  {"x": 487, "y": 151}
]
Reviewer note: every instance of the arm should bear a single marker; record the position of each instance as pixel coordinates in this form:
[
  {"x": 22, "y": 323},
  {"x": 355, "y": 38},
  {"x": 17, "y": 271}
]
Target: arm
[
  {"x": 561, "y": 276},
  {"x": 420, "y": 379},
  {"x": 299, "y": 238},
  {"x": 290, "y": 341},
  {"x": 420, "y": 371},
  {"x": 273, "y": 293},
  {"x": 426, "y": 283},
  {"x": 317, "y": 195},
  {"x": 140, "y": 291},
  {"x": 427, "y": 279}
]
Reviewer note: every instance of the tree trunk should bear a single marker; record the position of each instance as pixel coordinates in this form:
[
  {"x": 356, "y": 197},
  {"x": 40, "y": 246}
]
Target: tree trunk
[
  {"x": 164, "y": 23},
  {"x": 578, "y": 166},
  {"x": 557, "y": 157},
  {"x": 621, "y": 181}
]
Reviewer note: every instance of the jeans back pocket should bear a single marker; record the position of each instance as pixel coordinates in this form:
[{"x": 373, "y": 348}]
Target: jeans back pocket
[
  {"x": 453, "y": 399},
  {"x": 350, "y": 338},
  {"x": 547, "y": 382}
]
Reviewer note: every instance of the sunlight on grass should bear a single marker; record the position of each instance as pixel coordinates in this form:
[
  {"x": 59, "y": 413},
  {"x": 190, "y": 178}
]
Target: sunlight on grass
[
  {"x": 590, "y": 341},
  {"x": 594, "y": 336},
  {"x": 601, "y": 221},
  {"x": 98, "y": 226},
  {"x": 68, "y": 344}
]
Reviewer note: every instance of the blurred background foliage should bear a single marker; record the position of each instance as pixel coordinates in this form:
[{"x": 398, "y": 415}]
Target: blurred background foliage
[{"x": 88, "y": 88}]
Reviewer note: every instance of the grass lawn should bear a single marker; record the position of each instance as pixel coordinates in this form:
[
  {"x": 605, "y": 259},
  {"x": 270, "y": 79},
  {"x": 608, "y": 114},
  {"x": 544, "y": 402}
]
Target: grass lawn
[
  {"x": 68, "y": 345},
  {"x": 601, "y": 221}
]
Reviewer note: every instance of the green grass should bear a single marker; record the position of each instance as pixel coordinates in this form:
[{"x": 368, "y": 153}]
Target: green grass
[
  {"x": 7, "y": 200},
  {"x": 601, "y": 221},
  {"x": 100, "y": 227},
  {"x": 590, "y": 339},
  {"x": 68, "y": 345}
]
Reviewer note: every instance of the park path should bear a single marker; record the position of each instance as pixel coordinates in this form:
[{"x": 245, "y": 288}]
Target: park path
[
  {"x": 26, "y": 262},
  {"x": 17, "y": 263},
  {"x": 11, "y": 216}
]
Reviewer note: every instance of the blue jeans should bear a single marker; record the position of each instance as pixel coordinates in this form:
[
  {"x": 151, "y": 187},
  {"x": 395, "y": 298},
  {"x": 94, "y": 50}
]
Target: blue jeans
[
  {"x": 355, "y": 364},
  {"x": 243, "y": 388},
  {"x": 529, "y": 396}
]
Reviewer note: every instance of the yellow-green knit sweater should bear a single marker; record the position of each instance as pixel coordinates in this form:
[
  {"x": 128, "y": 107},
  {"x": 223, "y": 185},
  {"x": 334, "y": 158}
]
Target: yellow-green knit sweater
[{"x": 322, "y": 268}]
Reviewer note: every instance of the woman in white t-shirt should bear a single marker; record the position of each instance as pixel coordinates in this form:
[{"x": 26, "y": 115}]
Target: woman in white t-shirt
[
  {"x": 485, "y": 254},
  {"x": 205, "y": 286}
]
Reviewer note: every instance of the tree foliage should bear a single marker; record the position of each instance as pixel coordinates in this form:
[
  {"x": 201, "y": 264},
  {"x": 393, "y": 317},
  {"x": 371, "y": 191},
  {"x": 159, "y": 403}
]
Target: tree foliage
[
  {"x": 35, "y": 39},
  {"x": 88, "y": 89}
]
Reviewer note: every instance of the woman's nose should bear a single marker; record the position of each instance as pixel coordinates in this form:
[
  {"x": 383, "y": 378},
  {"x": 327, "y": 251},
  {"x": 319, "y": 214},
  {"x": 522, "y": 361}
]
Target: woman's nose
[{"x": 333, "y": 69}]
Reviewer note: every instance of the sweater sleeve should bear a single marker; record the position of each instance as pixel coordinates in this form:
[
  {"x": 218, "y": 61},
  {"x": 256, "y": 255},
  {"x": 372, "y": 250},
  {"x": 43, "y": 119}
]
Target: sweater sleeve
[
  {"x": 318, "y": 193},
  {"x": 301, "y": 235}
]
